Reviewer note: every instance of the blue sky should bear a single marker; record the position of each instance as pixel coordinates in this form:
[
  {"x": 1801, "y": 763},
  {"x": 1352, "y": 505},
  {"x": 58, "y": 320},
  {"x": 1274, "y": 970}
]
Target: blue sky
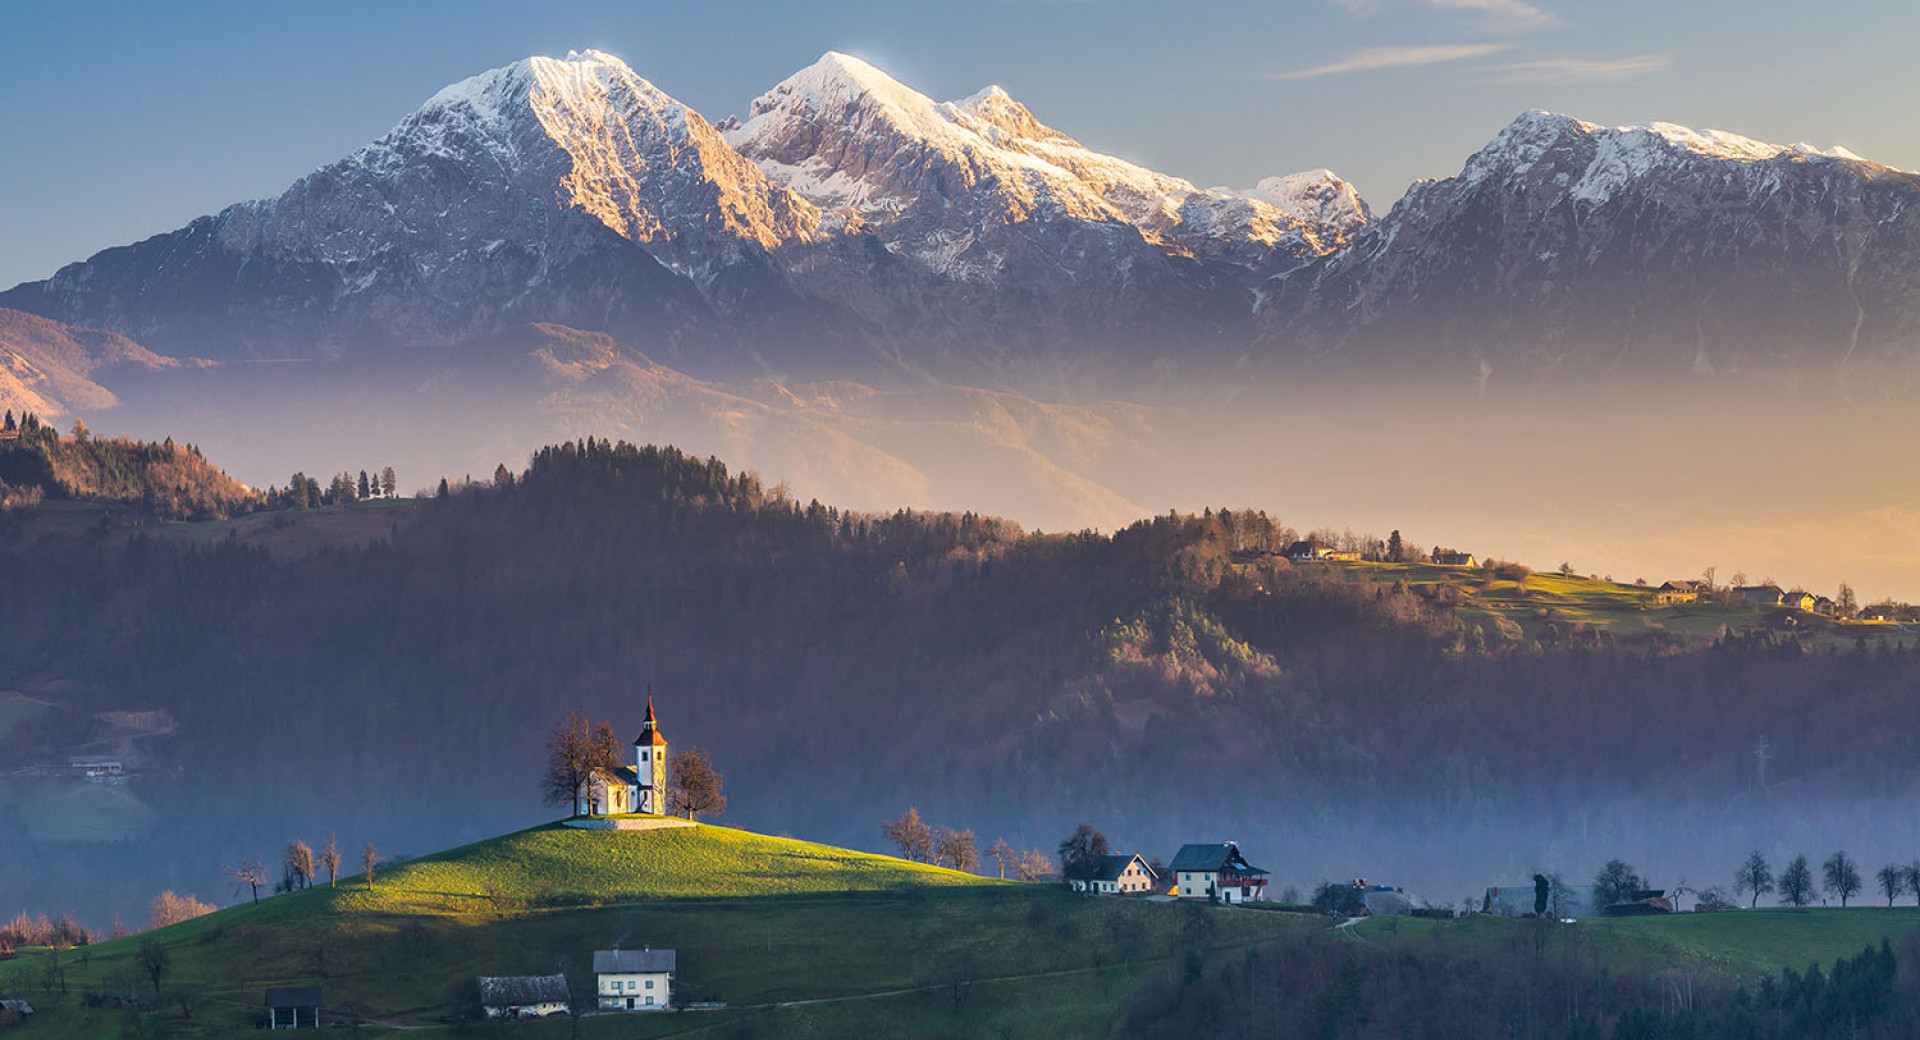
[{"x": 121, "y": 120}]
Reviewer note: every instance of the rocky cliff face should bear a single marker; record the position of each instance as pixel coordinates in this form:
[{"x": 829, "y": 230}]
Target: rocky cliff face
[{"x": 1566, "y": 248}]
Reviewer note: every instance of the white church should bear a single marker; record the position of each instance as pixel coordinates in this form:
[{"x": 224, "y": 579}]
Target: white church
[{"x": 639, "y": 788}]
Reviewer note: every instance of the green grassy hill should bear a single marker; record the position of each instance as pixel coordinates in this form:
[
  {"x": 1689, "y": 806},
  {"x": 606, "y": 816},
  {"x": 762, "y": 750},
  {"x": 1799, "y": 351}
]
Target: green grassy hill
[{"x": 795, "y": 937}]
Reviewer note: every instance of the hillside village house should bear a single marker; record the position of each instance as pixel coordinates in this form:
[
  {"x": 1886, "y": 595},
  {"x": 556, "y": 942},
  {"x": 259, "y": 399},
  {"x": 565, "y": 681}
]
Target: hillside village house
[
  {"x": 1823, "y": 605},
  {"x": 1801, "y": 600},
  {"x": 1450, "y": 558},
  {"x": 293, "y": 1007},
  {"x": 1308, "y": 551},
  {"x": 524, "y": 996},
  {"x": 1216, "y": 872},
  {"x": 1761, "y": 595},
  {"x": 1676, "y": 592},
  {"x": 634, "y": 980},
  {"x": 1113, "y": 876},
  {"x": 639, "y": 788}
]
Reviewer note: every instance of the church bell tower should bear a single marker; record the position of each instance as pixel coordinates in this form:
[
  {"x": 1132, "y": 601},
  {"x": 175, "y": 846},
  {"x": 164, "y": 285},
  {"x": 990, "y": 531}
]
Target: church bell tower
[{"x": 650, "y": 766}]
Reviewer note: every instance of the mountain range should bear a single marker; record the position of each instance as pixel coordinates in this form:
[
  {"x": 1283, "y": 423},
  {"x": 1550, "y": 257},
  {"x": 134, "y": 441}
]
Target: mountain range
[
  {"x": 849, "y": 227},
  {"x": 888, "y": 300}
]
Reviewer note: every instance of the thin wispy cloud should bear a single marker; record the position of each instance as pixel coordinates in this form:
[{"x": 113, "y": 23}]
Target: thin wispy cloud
[
  {"x": 1501, "y": 15},
  {"x": 1374, "y": 58},
  {"x": 1582, "y": 70},
  {"x": 1491, "y": 15}
]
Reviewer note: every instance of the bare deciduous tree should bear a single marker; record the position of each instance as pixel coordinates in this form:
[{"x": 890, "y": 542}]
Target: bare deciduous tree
[
  {"x": 1034, "y": 865},
  {"x": 1754, "y": 877},
  {"x": 694, "y": 787},
  {"x": 911, "y": 835},
  {"x": 578, "y": 752},
  {"x": 249, "y": 874},
  {"x": 956, "y": 849},
  {"x": 1893, "y": 882},
  {"x": 1002, "y": 855},
  {"x": 1842, "y": 876},
  {"x": 299, "y": 863},
  {"x": 170, "y": 908},
  {"x": 155, "y": 958},
  {"x": 369, "y": 859},
  {"x": 330, "y": 860}
]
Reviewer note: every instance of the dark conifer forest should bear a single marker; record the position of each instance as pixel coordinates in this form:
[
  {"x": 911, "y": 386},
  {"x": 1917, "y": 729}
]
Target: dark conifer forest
[{"x": 1175, "y": 681}]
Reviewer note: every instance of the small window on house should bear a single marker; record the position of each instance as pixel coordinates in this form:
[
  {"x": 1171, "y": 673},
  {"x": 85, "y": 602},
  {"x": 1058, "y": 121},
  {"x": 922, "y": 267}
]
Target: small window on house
[
  {"x": 649, "y": 983},
  {"x": 649, "y": 1001}
]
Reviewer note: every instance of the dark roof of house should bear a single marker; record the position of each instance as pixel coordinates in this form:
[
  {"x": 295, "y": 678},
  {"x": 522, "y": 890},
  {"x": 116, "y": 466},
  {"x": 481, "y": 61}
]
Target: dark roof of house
[
  {"x": 626, "y": 775},
  {"x": 18, "y": 1007},
  {"x": 608, "y": 962},
  {"x": 1212, "y": 857},
  {"x": 293, "y": 996},
  {"x": 1107, "y": 868},
  {"x": 522, "y": 990}
]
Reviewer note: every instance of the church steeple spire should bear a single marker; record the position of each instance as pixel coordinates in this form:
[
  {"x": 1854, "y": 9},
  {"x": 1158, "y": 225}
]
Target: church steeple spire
[{"x": 650, "y": 764}]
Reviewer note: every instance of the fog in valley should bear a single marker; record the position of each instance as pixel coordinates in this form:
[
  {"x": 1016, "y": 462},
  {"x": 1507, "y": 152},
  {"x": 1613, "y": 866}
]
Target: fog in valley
[{"x": 1551, "y": 769}]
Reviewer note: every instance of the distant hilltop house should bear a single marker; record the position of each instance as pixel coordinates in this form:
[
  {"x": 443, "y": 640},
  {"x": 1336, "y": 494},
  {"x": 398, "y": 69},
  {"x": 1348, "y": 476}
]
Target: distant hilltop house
[
  {"x": 1216, "y": 872},
  {"x": 634, "y": 980},
  {"x": 1309, "y": 551},
  {"x": 1113, "y": 876},
  {"x": 640, "y": 788},
  {"x": 1452, "y": 558},
  {"x": 1799, "y": 600},
  {"x": 1824, "y": 605},
  {"x": 524, "y": 996},
  {"x": 98, "y": 769},
  {"x": 1761, "y": 595},
  {"x": 1677, "y": 592},
  {"x": 293, "y": 1007}
]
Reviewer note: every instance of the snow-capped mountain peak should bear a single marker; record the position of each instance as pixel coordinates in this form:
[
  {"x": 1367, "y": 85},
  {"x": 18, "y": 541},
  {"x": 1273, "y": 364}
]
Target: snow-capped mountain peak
[{"x": 851, "y": 138}]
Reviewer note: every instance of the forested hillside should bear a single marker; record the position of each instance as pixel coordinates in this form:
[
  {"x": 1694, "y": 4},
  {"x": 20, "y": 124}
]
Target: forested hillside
[
  {"x": 163, "y": 480},
  {"x": 1171, "y": 682}
]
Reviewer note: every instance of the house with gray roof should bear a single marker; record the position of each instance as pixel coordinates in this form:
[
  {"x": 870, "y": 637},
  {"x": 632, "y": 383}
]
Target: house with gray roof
[
  {"x": 1218, "y": 873},
  {"x": 524, "y": 996},
  {"x": 634, "y": 980}
]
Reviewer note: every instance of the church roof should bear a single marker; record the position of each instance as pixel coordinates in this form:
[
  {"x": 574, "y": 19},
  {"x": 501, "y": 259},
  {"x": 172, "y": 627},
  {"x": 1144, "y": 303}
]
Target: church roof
[{"x": 650, "y": 732}]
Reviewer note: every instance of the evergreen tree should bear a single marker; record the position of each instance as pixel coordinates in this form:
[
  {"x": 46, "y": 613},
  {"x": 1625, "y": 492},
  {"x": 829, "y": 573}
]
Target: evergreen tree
[
  {"x": 365, "y": 488},
  {"x": 389, "y": 483}
]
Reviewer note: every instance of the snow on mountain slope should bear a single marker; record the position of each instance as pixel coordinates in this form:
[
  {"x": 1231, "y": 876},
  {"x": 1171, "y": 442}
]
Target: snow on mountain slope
[
  {"x": 1565, "y": 246},
  {"x": 585, "y": 132},
  {"x": 854, "y": 140}
]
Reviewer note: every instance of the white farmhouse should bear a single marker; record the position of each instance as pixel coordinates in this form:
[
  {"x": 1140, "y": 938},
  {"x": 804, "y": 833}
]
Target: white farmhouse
[
  {"x": 634, "y": 980},
  {"x": 1112, "y": 876}
]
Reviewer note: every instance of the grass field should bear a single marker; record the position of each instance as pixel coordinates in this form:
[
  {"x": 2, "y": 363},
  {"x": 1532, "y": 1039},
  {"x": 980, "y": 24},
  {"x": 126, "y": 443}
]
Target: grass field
[
  {"x": 16, "y": 710},
  {"x": 71, "y": 810},
  {"x": 1526, "y": 609},
  {"x": 284, "y": 533},
  {"x": 796, "y": 938},
  {"x": 1743, "y": 944}
]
